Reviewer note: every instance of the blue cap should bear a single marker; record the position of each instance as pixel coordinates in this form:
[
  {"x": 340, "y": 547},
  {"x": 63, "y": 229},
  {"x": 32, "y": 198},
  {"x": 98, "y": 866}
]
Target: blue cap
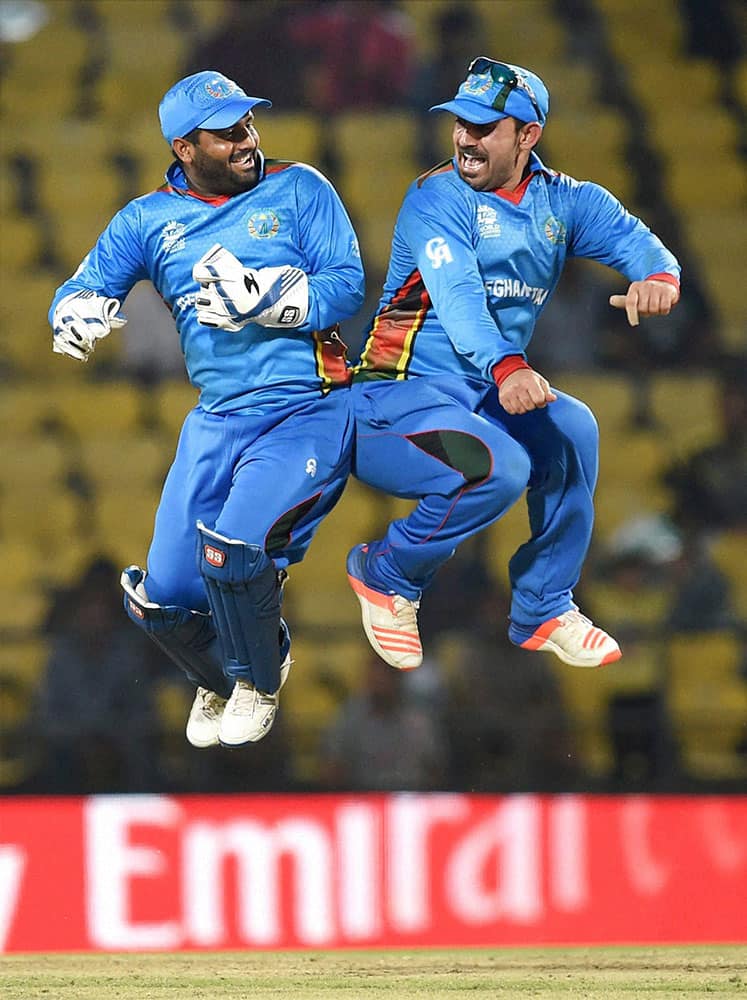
[
  {"x": 495, "y": 90},
  {"x": 205, "y": 100}
]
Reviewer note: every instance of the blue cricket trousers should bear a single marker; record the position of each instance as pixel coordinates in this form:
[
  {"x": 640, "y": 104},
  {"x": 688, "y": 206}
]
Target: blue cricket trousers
[
  {"x": 449, "y": 444},
  {"x": 264, "y": 479}
]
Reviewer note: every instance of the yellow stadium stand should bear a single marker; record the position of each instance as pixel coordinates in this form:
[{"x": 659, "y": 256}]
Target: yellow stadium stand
[
  {"x": 729, "y": 551},
  {"x": 502, "y": 539},
  {"x": 23, "y": 407},
  {"x": 326, "y": 669},
  {"x": 135, "y": 74},
  {"x": 704, "y": 174},
  {"x": 727, "y": 187},
  {"x": 685, "y": 411},
  {"x": 357, "y": 138},
  {"x": 740, "y": 80},
  {"x": 321, "y": 580},
  {"x": 24, "y": 658},
  {"x": 708, "y": 703},
  {"x": 48, "y": 518},
  {"x": 123, "y": 522},
  {"x": 22, "y": 610},
  {"x": 32, "y": 461},
  {"x": 718, "y": 242},
  {"x": 119, "y": 464},
  {"x": 97, "y": 408},
  {"x": 285, "y": 135},
  {"x": 20, "y": 245},
  {"x": 587, "y": 694},
  {"x": 589, "y": 149},
  {"x": 26, "y": 336},
  {"x": 610, "y": 397},
  {"x": 51, "y": 59},
  {"x": 173, "y": 400}
]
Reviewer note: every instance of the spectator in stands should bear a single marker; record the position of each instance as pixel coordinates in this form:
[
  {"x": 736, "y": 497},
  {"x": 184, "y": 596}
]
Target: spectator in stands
[
  {"x": 712, "y": 31},
  {"x": 382, "y": 741},
  {"x": 151, "y": 351},
  {"x": 259, "y": 36},
  {"x": 357, "y": 54},
  {"x": 580, "y": 309},
  {"x": 96, "y": 713},
  {"x": 458, "y": 31},
  {"x": 652, "y": 578},
  {"x": 20, "y": 753},
  {"x": 710, "y": 486},
  {"x": 508, "y": 726}
]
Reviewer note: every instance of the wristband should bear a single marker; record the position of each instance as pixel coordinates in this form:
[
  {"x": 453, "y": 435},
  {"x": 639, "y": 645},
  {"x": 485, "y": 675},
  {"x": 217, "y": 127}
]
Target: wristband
[{"x": 507, "y": 366}]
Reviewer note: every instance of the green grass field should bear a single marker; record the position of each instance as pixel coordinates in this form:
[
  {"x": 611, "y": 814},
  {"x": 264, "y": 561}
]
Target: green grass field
[{"x": 663, "y": 973}]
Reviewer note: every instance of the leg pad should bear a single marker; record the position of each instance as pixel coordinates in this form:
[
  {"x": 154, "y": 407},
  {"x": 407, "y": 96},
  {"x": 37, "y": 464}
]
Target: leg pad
[
  {"x": 244, "y": 596},
  {"x": 187, "y": 637}
]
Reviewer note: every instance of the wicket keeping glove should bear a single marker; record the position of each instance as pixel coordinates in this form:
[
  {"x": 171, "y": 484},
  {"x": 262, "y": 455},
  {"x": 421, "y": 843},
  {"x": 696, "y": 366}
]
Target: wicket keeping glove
[
  {"x": 232, "y": 295},
  {"x": 81, "y": 319}
]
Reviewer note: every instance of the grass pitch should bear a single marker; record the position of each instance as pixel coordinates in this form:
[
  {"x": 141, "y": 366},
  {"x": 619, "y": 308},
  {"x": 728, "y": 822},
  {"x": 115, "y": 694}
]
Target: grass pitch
[{"x": 663, "y": 973}]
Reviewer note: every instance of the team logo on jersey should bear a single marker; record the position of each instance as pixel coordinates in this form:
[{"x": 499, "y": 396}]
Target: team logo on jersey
[
  {"x": 311, "y": 467},
  {"x": 438, "y": 252},
  {"x": 488, "y": 225},
  {"x": 555, "y": 230},
  {"x": 172, "y": 236},
  {"x": 263, "y": 225},
  {"x": 220, "y": 88}
]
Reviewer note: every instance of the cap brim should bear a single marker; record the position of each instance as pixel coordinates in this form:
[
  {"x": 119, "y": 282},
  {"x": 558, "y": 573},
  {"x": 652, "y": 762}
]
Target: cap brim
[
  {"x": 230, "y": 112},
  {"x": 470, "y": 111}
]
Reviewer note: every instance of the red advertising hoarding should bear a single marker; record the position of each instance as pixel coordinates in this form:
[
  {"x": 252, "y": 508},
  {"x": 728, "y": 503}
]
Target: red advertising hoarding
[{"x": 191, "y": 872}]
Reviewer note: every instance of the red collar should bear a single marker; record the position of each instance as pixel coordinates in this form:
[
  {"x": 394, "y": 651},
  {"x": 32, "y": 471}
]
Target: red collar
[
  {"x": 215, "y": 199},
  {"x": 517, "y": 194}
]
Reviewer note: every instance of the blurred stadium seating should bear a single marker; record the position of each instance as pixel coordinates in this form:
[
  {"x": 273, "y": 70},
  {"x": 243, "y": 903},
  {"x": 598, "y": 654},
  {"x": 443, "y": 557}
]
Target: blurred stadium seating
[{"x": 84, "y": 449}]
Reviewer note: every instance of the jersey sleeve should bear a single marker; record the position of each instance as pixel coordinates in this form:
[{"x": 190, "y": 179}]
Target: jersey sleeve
[
  {"x": 436, "y": 223},
  {"x": 115, "y": 263},
  {"x": 330, "y": 246},
  {"x": 603, "y": 230}
]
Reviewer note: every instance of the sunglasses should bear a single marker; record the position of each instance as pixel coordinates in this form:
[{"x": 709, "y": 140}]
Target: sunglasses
[{"x": 509, "y": 81}]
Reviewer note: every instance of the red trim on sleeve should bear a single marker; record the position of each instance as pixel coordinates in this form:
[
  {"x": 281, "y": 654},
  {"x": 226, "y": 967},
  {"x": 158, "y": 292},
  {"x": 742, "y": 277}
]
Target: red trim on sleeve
[{"x": 507, "y": 366}]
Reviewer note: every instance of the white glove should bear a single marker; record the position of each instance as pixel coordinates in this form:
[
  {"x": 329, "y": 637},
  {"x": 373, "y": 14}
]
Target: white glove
[
  {"x": 81, "y": 319},
  {"x": 231, "y": 295}
]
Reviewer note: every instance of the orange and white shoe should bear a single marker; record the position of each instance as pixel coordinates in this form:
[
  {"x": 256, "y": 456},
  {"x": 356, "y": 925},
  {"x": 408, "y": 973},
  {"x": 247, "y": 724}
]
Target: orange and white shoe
[
  {"x": 390, "y": 621},
  {"x": 572, "y": 637}
]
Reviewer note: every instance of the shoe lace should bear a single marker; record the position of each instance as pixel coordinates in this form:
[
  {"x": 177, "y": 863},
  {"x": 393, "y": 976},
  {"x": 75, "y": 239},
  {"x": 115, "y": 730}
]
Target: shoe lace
[
  {"x": 406, "y": 612},
  {"x": 211, "y": 704},
  {"x": 576, "y": 622},
  {"x": 246, "y": 699}
]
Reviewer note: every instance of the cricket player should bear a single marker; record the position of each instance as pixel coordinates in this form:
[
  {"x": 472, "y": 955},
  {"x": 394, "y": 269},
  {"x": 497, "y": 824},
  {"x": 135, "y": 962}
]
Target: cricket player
[
  {"x": 449, "y": 410},
  {"x": 258, "y": 262}
]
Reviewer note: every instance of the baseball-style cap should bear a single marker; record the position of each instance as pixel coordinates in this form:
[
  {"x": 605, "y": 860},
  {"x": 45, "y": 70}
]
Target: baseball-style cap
[
  {"x": 205, "y": 100},
  {"x": 495, "y": 90}
]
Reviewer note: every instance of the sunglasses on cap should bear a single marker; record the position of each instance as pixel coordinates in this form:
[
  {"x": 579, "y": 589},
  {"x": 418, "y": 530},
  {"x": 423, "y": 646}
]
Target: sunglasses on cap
[{"x": 509, "y": 81}]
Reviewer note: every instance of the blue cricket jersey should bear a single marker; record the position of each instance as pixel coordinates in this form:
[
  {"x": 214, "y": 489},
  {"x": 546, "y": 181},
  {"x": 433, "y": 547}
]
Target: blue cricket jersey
[
  {"x": 470, "y": 271},
  {"x": 292, "y": 216}
]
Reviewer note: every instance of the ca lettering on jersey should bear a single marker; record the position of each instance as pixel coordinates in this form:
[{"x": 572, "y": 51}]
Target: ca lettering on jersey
[{"x": 438, "y": 252}]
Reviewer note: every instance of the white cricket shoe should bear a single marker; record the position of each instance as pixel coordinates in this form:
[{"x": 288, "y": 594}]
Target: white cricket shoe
[
  {"x": 572, "y": 637},
  {"x": 390, "y": 621},
  {"x": 204, "y": 718},
  {"x": 249, "y": 714}
]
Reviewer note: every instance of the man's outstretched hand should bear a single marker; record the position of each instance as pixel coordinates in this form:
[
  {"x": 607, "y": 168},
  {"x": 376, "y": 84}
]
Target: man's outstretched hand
[{"x": 646, "y": 298}]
